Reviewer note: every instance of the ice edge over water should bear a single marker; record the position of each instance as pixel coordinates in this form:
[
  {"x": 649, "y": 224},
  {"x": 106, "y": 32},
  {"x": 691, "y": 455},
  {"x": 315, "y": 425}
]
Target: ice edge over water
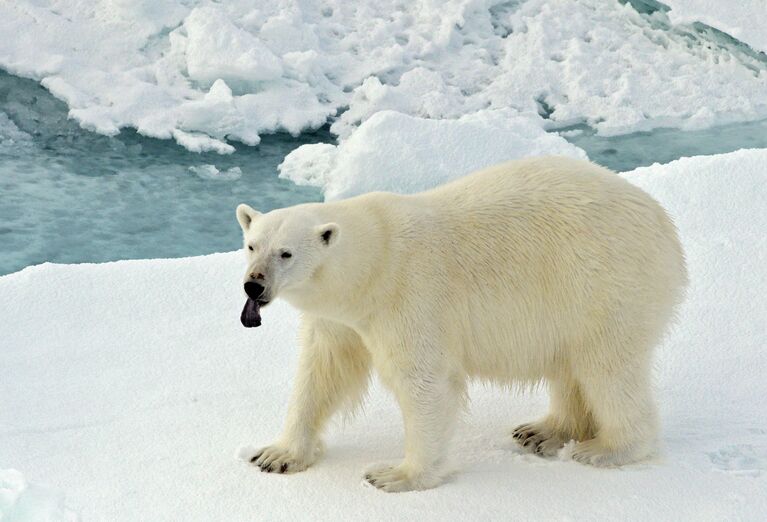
[{"x": 205, "y": 74}]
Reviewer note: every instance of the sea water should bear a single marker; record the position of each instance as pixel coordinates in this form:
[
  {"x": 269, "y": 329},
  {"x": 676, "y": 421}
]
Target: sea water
[
  {"x": 639, "y": 149},
  {"x": 68, "y": 195}
]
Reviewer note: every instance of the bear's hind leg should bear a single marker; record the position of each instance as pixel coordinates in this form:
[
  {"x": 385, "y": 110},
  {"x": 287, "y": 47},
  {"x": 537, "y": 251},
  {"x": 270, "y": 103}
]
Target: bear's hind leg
[
  {"x": 568, "y": 419},
  {"x": 620, "y": 400}
]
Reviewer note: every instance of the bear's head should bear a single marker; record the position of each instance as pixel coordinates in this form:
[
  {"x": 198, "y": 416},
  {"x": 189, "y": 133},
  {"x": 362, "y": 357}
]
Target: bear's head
[{"x": 285, "y": 249}]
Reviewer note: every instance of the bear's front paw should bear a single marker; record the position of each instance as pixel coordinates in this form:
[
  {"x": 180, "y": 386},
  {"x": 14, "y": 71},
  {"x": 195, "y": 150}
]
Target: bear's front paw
[
  {"x": 399, "y": 478},
  {"x": 280, "y": 459}
]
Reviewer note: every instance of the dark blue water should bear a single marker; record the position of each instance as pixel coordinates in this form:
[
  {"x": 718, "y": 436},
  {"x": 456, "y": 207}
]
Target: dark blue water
[{"x": 68, "y": 195}]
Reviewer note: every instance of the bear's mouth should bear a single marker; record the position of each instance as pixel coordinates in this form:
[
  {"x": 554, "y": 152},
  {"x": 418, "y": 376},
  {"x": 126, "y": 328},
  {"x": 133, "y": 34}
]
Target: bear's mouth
[{"x": 251, "y": 313}]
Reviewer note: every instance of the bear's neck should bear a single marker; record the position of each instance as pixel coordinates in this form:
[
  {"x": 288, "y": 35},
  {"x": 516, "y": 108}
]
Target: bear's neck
[{"x": 348, "y": 286}]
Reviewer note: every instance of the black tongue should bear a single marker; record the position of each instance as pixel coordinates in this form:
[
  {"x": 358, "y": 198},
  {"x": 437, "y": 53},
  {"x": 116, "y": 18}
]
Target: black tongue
[{"x": 250, "y": 317}]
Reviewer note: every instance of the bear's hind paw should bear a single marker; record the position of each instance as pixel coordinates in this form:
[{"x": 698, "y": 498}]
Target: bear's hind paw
[{"x": 538, "y": 439}]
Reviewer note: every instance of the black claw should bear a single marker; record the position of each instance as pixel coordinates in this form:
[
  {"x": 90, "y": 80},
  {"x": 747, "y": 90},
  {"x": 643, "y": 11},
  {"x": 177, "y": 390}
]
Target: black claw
[
  {"x": 526, "y": 435},
  {"x": 520, "y": 431},
  {"x": 255, "y": 457},
  {"x": 284, "y": 468}
]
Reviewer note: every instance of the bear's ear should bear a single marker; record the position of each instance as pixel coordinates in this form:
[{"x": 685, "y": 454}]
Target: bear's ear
[
  {"x": 246, "y": 215},
  {"x": 328, "y": 233}
]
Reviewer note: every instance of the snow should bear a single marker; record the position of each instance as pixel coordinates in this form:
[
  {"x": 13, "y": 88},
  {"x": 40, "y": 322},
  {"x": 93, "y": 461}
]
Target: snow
[
  {"x": 205, "y": 73},
  {"x": 131, "y": 385},
  {"x": 395, "y": 152},
  {"x": 745, "y": 20},
  {"x": 24, "y": 502},
  {"x": 217, "y": 49}
]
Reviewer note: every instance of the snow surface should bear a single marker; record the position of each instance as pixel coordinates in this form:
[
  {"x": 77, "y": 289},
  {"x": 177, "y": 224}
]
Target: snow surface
[
  {"x": 203, "y": 73},
  {"x": 131, "y": 385},
  {"x": 24, "y": 502},
  {"x": 745, "y": 20}
]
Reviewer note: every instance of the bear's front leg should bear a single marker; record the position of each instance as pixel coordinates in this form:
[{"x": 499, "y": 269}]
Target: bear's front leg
[
  {"x": 430, "y": 400},
  {"x": 333, "y": 371}
]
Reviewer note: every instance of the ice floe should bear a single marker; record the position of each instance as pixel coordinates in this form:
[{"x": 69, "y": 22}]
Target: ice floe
[
  {"x": 130, "y": 386},
  {"x": 205, "y": 73},
  {"x": 396, "y": 152}
]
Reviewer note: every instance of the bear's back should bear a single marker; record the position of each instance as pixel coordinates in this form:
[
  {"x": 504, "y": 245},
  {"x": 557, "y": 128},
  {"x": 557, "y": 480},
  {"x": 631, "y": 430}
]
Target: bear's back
[
  {"x": 559, "y": 237},
  {"x": 553, "y": 207}
]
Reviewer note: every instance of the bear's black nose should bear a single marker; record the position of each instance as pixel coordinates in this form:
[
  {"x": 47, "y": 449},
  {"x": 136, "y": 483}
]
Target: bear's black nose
[{"x": 254, "y": 290}]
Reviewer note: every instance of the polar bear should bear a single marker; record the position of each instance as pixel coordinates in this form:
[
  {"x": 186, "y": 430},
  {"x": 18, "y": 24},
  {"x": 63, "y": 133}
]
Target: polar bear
[{"x": 548, "y": 269}]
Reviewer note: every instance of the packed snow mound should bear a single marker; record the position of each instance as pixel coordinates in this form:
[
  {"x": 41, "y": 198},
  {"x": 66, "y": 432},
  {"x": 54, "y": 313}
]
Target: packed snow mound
[
  {"x": 24, "y": 502},
  {"x": 745, "y": 20},
  {"x": 131, "y": 385},
  {"x": 399, "y": 153},
  {"x": 204, "y": 73}
]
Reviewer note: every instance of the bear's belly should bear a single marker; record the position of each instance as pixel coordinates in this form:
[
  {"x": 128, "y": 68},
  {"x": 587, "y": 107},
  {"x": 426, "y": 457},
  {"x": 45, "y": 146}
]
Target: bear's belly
[
  {"x": 503, "y": 355},
  {"x": 521, "y": 345}
]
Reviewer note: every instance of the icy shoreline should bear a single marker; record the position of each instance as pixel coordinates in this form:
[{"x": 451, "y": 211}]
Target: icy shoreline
[
  {"x": 207, "y": 73},
  {"x": 130, "y": 385}
]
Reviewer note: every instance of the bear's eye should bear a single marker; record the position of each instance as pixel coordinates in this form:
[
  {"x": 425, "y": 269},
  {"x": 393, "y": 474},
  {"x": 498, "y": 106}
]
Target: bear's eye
[
  {"x": 250, "y": 247},
  {"x": 286, "y": 255}
]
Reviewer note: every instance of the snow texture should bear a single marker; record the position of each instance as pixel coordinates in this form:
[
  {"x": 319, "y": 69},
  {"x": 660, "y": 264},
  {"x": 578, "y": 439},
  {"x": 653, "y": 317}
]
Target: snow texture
[
  {"x": 131, "y": 385},
  {"x": 205, "y": 73},
  {"x": 399, "y": 153},
  {"x": 24, "y": 502},
  {"x": 745, "y": 20}
]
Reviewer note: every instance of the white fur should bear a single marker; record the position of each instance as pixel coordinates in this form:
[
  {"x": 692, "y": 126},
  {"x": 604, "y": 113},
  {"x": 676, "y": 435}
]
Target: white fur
[{"x": 544, "y": 268}]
